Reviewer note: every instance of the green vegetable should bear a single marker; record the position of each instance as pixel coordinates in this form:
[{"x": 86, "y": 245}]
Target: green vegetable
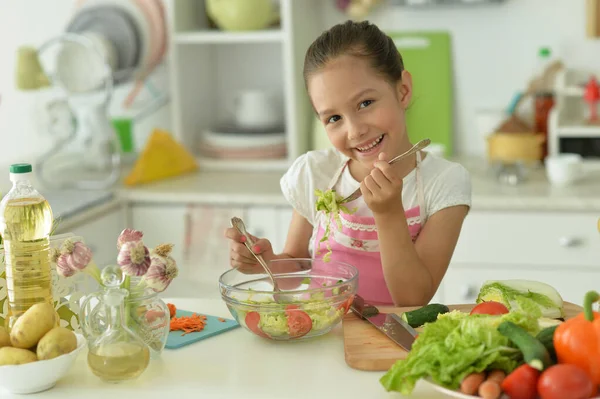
[
  {"x": 331, "y": 204},
  {"x": 534, "y": 297},
  {"x": 534, "y": 352},
  {"x": 546, "y": 337},
  {"x": 456, "y": 345},
  {"x": 426, "y": 314}
]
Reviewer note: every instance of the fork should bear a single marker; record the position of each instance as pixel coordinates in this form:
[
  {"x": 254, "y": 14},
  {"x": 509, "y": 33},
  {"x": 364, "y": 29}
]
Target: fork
[
  {"x": 417, "y": 147},
  {"x": 241, "y": 227}
]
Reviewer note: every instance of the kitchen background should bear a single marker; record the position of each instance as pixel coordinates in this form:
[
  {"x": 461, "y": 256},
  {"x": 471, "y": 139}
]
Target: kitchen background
[
  {"x": 485, "y": 54},
  {"x": 494, "y": 53}
]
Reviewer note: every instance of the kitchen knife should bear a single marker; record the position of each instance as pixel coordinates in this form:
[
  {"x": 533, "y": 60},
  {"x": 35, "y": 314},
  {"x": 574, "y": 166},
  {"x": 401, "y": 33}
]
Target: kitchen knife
[{"x": 388, "y": 323}]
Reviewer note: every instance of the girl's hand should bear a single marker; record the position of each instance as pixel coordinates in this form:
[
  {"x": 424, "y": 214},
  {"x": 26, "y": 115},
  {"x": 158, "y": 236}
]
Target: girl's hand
[
  {"x": 241, "y": 258},
  {"x": 382, "y": 189}
]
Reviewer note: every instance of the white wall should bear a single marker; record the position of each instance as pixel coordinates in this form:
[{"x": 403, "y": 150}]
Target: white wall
[
  {"x": 23, "y": 22},
  {"x": 494, "y": 48}
]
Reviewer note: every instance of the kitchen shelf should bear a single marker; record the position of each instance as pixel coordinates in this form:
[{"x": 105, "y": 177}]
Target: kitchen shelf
[
  {"x": 216, "y": 37},
  {"x": 572, "y": 91},
  {"x": 250, "y": 165},
  {"x": 438, "y": 3},
  {"x": 209, "y": 67}
]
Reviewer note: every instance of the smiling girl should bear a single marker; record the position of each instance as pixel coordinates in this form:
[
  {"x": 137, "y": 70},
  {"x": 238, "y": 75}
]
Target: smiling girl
[{"x": 408, "y": 220}]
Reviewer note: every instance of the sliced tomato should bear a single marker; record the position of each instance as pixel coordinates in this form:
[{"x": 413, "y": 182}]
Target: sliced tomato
[
  {"x": 346, "y": 305},
  {"x": 521, "y": 383},
  {"x": 299, "y": 322},
  {"x": 252, "y": 319},
  {"x": 291, "y": 307},
  {"x": 491, "y": 308},
  {"x": 565, "y": 381}
]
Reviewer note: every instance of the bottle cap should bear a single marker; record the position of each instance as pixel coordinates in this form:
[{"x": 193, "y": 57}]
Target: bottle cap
[
  {"x": 20, "y": 168},
  {"x": 545, "y": 52}
]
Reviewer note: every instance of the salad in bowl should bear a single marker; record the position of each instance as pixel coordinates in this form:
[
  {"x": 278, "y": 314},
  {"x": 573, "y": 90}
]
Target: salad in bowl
[{"x": 314, "y": 296}]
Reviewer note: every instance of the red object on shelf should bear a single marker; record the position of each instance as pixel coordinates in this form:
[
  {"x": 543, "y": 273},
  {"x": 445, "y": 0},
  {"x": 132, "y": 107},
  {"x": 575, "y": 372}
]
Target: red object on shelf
[
  {"x": 591, "y": 96},
  {"x": 543, "y": 104}
]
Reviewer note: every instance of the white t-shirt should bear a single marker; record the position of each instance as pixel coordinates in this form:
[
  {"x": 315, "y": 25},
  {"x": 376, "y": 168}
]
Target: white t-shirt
[{"x": 445, "y": 183}]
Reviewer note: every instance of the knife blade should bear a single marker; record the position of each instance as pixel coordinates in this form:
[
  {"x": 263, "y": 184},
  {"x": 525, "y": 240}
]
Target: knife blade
[{"x": 390, "y": 324}]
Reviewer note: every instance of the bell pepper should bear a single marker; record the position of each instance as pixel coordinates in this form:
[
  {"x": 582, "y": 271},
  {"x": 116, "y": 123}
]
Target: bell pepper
[{"x": 577, "y": 340}]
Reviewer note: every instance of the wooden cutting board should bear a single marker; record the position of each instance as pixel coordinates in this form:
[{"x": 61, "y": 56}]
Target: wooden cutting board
[{"x": 367, "y": 348}]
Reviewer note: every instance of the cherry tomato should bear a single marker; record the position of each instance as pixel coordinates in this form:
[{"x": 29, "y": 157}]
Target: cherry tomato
[
  {"x": 490, "y": 307},
  {"x": 521, "y": 383},
  {"x": 565, "y": 381},
  {"x": 252, "y": 319},
  {"x": 299, "y": 322}
]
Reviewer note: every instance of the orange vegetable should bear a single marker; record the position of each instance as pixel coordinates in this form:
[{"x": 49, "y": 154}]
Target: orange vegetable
[
  {"x": 222, "y": 320},
  {"x": 172, "y": 310},
  {"x": 577, "y": 340},
  {"x": 188, "y": 324}
]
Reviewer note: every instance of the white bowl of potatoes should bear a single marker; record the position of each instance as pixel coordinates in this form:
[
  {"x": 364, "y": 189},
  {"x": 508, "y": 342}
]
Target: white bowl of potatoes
[{"x": 36, "y": 353}]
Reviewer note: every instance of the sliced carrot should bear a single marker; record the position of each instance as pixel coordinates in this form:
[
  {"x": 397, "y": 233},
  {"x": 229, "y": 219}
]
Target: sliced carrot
[
  {"x": 172, "y": 310},
  {"x": 188, "y": 324},
  {"x": 222, "y": 320}
]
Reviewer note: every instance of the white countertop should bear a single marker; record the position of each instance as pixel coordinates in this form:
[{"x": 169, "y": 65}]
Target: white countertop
[
  {"x": 262, "y": 188},
  {"x": 225, "y": 188},
  {"x": 236, "y": 364}
]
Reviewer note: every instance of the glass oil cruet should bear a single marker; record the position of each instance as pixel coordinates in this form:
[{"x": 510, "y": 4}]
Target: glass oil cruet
[{"x": 115, "y": 353}]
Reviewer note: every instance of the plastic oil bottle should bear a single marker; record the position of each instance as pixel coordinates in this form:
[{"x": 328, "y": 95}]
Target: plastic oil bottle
[{"x": 25, "y": 225}]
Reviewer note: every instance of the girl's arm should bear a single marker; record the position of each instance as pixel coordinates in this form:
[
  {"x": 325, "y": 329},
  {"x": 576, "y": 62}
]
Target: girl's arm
[{"x": 413, "y": 272}]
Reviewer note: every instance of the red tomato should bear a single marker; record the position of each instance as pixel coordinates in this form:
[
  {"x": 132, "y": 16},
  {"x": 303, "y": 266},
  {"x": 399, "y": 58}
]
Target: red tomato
[
  {"x": 521, "y": 383},
  {"x": 490, "y": 307},
  {"x": 290, "y": 306},
  {"x": 252, "y": 319},
  {"x": 346, "y": 305},
  {"x": 299, "y": 322},
  {"x": 565, "y": 381}
]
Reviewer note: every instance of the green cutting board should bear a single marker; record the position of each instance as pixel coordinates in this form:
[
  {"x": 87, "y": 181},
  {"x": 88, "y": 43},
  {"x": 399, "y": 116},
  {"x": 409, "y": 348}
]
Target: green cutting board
[{"x": 427, "y": 56}]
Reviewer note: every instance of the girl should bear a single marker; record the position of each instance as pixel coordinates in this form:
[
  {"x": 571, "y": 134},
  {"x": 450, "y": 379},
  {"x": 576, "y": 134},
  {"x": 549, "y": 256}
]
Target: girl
[{"x": 408, "y": 220}]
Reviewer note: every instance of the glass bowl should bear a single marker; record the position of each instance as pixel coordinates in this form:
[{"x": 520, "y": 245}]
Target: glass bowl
[{"x": 314, "y": 297}]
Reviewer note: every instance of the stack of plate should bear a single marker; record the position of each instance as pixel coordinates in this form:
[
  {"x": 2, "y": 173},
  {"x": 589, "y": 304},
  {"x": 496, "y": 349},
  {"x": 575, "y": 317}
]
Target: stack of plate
[
  {"x": 233, "y": 142},
  {"x": 135, "y": 29}
]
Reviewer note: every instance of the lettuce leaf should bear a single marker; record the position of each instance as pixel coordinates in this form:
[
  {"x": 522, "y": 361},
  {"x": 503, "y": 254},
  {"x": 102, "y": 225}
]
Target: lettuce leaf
[
  {"x": 525, "y": 295},
  {"x": 456, "y": 345}
]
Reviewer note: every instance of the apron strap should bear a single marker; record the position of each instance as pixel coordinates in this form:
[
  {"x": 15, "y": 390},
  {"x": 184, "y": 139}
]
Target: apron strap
[{"x": 420, "y": 191}]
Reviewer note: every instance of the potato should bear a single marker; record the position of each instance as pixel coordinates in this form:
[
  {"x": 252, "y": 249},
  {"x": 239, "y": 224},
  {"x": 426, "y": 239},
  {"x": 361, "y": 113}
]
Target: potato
[
  {"x": 4, "y": 337},
  {"x": 14, "y": 356},
  {"x": 33, "y": 325},
  {"x": 58, "y": 341}
]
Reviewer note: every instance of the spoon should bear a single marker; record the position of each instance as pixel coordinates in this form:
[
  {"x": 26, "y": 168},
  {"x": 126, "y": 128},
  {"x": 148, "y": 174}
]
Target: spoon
[
  {"x": 417, "y": 147},
  {"x": 241, "y": 227}
]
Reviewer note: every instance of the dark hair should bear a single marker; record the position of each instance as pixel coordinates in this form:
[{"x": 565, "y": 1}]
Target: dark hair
[{"x": 359, "y": 39}]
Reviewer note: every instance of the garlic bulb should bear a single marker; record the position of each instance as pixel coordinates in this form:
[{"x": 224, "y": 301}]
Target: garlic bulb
[
  {"x": 129, "y": 235},
  {"x": 73, "y": 257},
  {"x": 161, "y": 272},
  {"x": 63, "y": 268},
  {"x": 134, "y": 258}
]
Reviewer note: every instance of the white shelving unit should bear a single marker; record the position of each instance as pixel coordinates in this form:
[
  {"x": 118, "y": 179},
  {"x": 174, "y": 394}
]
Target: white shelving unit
[
  {"x": 568, "y": 117},
  {"x": 208, "y": 67}
]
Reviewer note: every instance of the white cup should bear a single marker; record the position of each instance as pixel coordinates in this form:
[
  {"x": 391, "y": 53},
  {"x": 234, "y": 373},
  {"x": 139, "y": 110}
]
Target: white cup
[
  {"x": 257, "y": 109},
  {"x": 564, "y": 169}
]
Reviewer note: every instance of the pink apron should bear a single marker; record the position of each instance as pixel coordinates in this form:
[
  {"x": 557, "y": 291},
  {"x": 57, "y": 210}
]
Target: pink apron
[{"x": 357, "y": 243}]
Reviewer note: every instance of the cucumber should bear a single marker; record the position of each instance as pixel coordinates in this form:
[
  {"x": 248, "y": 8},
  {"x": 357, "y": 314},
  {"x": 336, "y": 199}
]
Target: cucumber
[
  {"x": 534, "y": 352},
  {"x": 426, "y": 314},
  {"x": 546, "y": 337}
]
